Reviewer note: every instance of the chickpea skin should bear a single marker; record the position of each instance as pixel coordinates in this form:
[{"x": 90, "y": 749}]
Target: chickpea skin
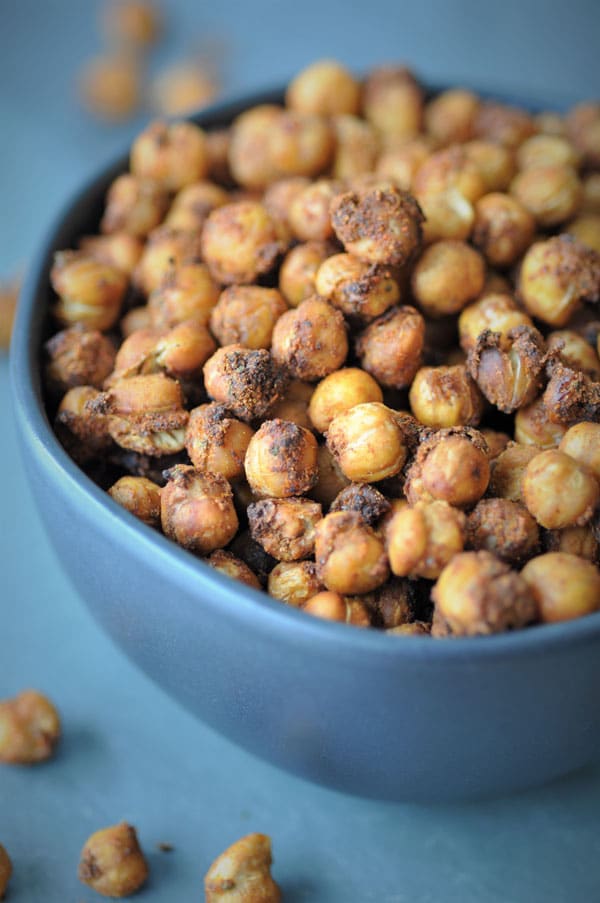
[
  {"x": 216, "y": 442},
  {"x": 246, "y": 315},
  {"x": 173, "y": 155},
  {"x": 242, "y": 874},
  {"x": 197, "y": 509},
  {"x": 310, "y": 340},
  {"x": 133, "y": 205},
  {"x": 420, "y": 541},
  {"x": 446, "y": 277},
  {"x": 445, "y": 397},
  {"x": 390, "y": 349},
  {"x": 356, "y": 288},
  {"x": 78, "y": 357},
  {"x": 324, "y": 87},
  {"x": 339, "y": 392},
  {"x": 504, "y": 528},
  {"x": 285, "y": 528},
  {"x": 582, "y": 443},
  {"x": 247, "y": 381},
  {"x": 508, "y": 470},
  {"x": 140, "y": 496},
  {"x": 240, "y": 241},
  {"x": 112, "y": 862},
  {"x": 558, "y": 491},
  {"x": 564, "y": 586},
  {"x": 350, "y": 556},
  {"x": 89, "y": 292},
  {"x": 29, "y": 728},
  {"x": 299, "y": 269},
  {"x": 552, "y": 194},
  {"x": 294, "y": 582},
  {"x": 451, "y": 465},
  {"x": 5, "y": 871},
  {"x": 233, "y": 567},
  {"x": 367, "y": 442},
  {"x": 335, "y": 607},
  {"x": 281, "y": 460},
  {"x": 503, "y": 228}
]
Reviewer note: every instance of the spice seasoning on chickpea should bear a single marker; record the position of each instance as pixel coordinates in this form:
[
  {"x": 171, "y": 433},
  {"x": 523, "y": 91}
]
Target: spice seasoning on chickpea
[
  {"x": 112, "y": 862},
  {"x": 29, "y": 728}
]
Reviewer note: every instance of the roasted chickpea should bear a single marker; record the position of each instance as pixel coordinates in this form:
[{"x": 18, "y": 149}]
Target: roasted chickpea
[
  {"x": 5, "y": 871},
  {"x": 330, "y": 479},
  {"x": 558, "y": 491},
  {"x": 505, "y": 528},
  {"x": 110, "y": 86},
  {"x": 89, "y": 292},
  {"x": 391, "y": 347},
  {"x": 450, "y": 116},
  {"x": 246, "y": 315},
  {"x": 356, "y": 288},
  {"x": 580, "y": 541},
  {"x": 478, "y": 594},
  {"x": 447, "y": 275},
  {"x": 285, "y": 528},
  {"x": 564, "y": 586},
  {"x": 420, "y": 541},
  {"x": 400, "y": 164},
  {"x": 227, "y": 563},
  {"x": 495, "y": 313},
  {"x": 356, "y": 147},
  {"x": 556, "y": 276},
  {"x": 508, "y": 470},
  {"x": 166, "y": 251},
  {"x": 294, "y": 582},
  {"x": 335, "y": 607},
  {"x": 216, "y": 441},
  {"x": 586, "y": 229},
  {"x": 582, "y": 443},
  {"x": 378, "y": 225},
  {"x": 393, "y": 103},
  {"x": 29, "y": 728},
  {"x": 495, "y": 163},
  {"x": 134, "y": 205},
  {"x": 192, "y": 204},
  {"x": 510, "y": 376},
  {"x": 552, "y": 194},
  {"x": 324, "y": 87},
  {"x": 112, "y": 862},
  {"x": 78, "y": 357},
  {"x": 547, "y": 150},
  {"x": 120, "y": 250},
  {"x": 339, "y": 392},
  {"x": 445, "y": 396},
  {"x": 197, "y": 509},
  {"x": 309, "y": 216},
  {"x": 503, "y": 228},
  {"x": 174, "y": 155},
  {"x": 247, "y": 381},
  {"x": 350, "y": 556},
  {"x": 534, "y": 427},
  {"x": 240, "y": 241},
  {"x": 299, "y": 269},
  {"x": 140, "y": 496},
  {"x": 242, "y": 873},
  {"x": 363, "y": 498},
  {"x": 281, "y": 460},
  {"x": 502, "y": 124},
  {"x": 187, "y": 292},
  {"x": 310, "y": 340},
  {"x": 452, "y": 466},
  {"x": 367, "y": 443}
]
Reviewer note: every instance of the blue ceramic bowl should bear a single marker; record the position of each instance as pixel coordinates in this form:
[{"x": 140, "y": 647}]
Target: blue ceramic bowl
[{"x": 389, "y": 717}]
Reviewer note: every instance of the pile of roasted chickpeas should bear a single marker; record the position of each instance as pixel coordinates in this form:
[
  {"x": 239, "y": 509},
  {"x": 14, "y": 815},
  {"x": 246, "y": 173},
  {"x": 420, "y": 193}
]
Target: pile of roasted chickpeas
[{"x": 347, "y": 349}]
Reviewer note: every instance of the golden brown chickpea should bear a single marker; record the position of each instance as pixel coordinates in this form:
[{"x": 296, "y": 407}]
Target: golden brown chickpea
[
  {"x": 378, "y": 225},
  {"x": 247, "y": 381},
  {"x": 393, "y": 103},
  {"x": 193, "y": 203},
  {"x": 496, "y": 442},
  {"x": 294, "y": 406},
  {"x": 324, "y": 87},
  {"x": 400, "y": 164},
  {"x": 166, "y": 251},
  {"x": 309, "y": 216},
  {"x": 335, "y": 607},
  {"x": 580, "y": 541},
  {"x": 5, "y": 871},
  {"x": 420, "y": 541},
  {"x": 495, "y": 163},
  {"x": 112, "y": 862},
  {"x": 294, "y": 582},
  {"x": 450, "y": 116},
  {"x": 574, "y": 351},
  {"x": 367, "y": 442},
  {"x": 477, "y": 594},
  {"x": 451, "y": 465},
  {"x": 547, "y": 150},
  {"x": 391, "y": 347},
  {"x": 187, "y": 292},
  {"x": 445, "y": 396},
  {"x": 110, "y": 86},
  {"x": 234, "y": 568},
  {"x": 281, "y": 460},
  {"x": 78, "y": 357},
  {"x": 29, "y": 728},
  {"x": 356, "y": 147},
  {"x": 280, "y": 195},
  {"x": 534, "y": 427},
  {"x": 300, "y": 144},
  {"x": 586, "y": 229},
  {"x": 174, "y": 155},
  {"x": 556, "y": 276},
  {"x": 552, "y": 194},
  {"x": 350, "y": 556},
  {"x": 508, "y": 470},
  {"x": 510, "y": 377},
  {"x": 503, "y": 228},
  {"x": 119, "y": 250},
  {"x": 502, "y": 124},
  {"x": 505, "y": 528},
  {"x": 310, "y": 340},
  {"x": 197, "y": 509},
  {"x": 496, "y": 313},
  {"x": 132, "y": 24},
  {"x": 564, "y": 586},
  {"x": 242, "y": 873},
  {"x": 246, "y": 315},
  {"x": 89, "y": 292},
  {"x": 339, "y": 392},
  {"x": 364, "y": 499},
  {"x": 449, "y": 171},
  {"x": 559, "y": 491},
  {"x": 356, "y": 288},
  {"x": 240, "y": 241},
  {"x": 182, "y": 88},
  {"x": 330, "y": 479},
  {"x": 299, "y": 269},
  {"x": 140, "y": 496},
  {"x": 582, "y": 443},
  {"x": 447, "y": 275},
  {"x": 216, "y": 441},
  {"x": 285, "y": 528},
  {"x": 583, "y": 128},
  {"x": 134, "y": 205}
]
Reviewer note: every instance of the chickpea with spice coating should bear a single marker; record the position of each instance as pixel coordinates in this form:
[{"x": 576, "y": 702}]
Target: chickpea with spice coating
[
  {"x": 350, "y": 556},
  {"x": 339, "y": 392},
  {"x": 446, "y": 277},
  {"x": 29, "y": 728},
  {"x": 89, "y": 292},
  {"x": 112, "y": 862},
  {"x": 445, "y": 397},
  {"x": 391, "y": 347},
  {"x": 367, "y": 442},
  {"x": 246, "y": 314},
  {"x": 294, "y": 582},
  {"x": 247, "y": 381},
  {"x": 420, "y": 541},
  {"x": 564, "y": 586},
  {"x": 281, "y": 460},
  {"x": 558, "y": 491},
  {"x": 299, "y": 269},
  {"x": 242, "y": 874},
  {"x": 285, "y": 528},
  {"x": 140, "y": 496},
  {"x": 355, "y": 287},
  {"x": 5, "y": 871},
  {"x": 215, "y": 441},
  {"x": 240, "y": 241},
  {"x": 310, "y": 340},
  {"x": 173, "y": 155},
  {"x": 451, "y": 465},
  {"x": 197, "y": 509},
  {"x": 335, "y": 607}
]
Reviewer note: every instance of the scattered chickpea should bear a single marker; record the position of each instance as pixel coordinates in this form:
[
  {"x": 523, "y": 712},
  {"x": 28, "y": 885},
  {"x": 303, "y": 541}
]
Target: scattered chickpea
[
  {"x": 299, "y": 270},
  {"x": 246, "y": 314},
  {"x": 445, "y": 397},
  {"x": 242, "y": 874},
  {"x": 391, "y": 347},
  {"x": 197, "y": 509},
  {"x": 140, "y": 496},
  {"x": 310, "y": 340},
  {"x": 335, "y": 607},
  {"x": 285, "y": 528},
  {"x": 558, "y": 491},
  {"x": 367, "y": 442},
  {"x": 240, "y": 241},
  {"x": 294, "y": 582},
  {"x": 110, "y": 86},
  {"x": 446, "y": 277},
  {"x": 451, "y": 466},
  {"x": 340, "y": 391},
  {"x": 29, "y": 728},
  {"x": 247, "y": 381},
  {"x": 233, "y": 567},
  {"x": 564, "y": 586},
  {"x": 112, "y": 862},
  {"x": 174, "y": 155},
  {"x": 503, "y": 228},
  {"x": 510, "y": 376},
  {"x": 78, "y": 357},
  {"x": 89, "y": 292},
  {"x": 420, "y": 541},
  {"x": 5, "y": 871},
  {"x": 534, "y": 427},
  {"x": 350, "y": 556},
  {"x": 281, "y": 460},
  {"x": 508, "y": 470},
  {"x": 505, "y": 528}
]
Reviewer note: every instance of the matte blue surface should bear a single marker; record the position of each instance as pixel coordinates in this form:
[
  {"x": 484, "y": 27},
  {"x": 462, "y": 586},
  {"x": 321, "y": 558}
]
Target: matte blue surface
[{"x": 129, "y": 751}]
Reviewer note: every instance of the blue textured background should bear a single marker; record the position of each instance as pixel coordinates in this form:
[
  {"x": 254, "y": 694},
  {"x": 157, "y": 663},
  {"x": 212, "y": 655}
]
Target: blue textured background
[{"x": 128, "y": 751}]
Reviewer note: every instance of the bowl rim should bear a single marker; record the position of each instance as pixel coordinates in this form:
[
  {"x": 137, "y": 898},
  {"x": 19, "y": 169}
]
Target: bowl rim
[{"x": 254, "y": 608}]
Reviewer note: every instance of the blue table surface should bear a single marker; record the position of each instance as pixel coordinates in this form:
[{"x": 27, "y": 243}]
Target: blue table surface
[{"x": 129, "y": 752}]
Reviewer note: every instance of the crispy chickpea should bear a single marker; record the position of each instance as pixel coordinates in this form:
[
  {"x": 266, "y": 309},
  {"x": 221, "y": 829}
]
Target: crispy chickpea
[
  {"x": 339, "y": 392},
  {"x": 247, "y": 381},
  {"x": 309, "y": 216},
  {"x": 110, "y": 86},
  {"x": 558, "y": 491},
  {"x": 5, "y": 871},
  {"x": 165, "y": 252},
  {"x": 133, "y": 24},
  {"x": 294, "y": 582},
  {"x": 552, "y": 194},
  {"x": 29, "y": 728},
  {"x": 356, "y": 147},
  {"x": 367, "y": 442},
  {"x": 89, "y": 292},
  {"x": 174, "y": 155},
  {"x": 451, "y": 465},
  {"x": 583, "y": 128},
  {"x": 574, "y": 352},
  {"x": 217, "y": 442},
  {"x": 503, "y": 124},
  {"x": 281, "y": 460},
  {"x": 495, "y": 163},
  {"x": 349, "y": 554},
  {"x": 510, "y": 376},
  {"x": 400, "y": 164},
  {"x": 378, "y": 225},
  {"x": 450, "y": 116},
  {"x": 496, "y": 313},
  {"x": 197, "y": 509},
  {"x": 420, "y": 541},
  {"x": 310, "y": 340},
  {"x": 477, "y": 594},
  {"x": 445, "y": 396},
  {"x": 140, "y": 496},
  {"x": 391, "y": 347},
  {"x": 564, "y": 586},
  {"x": 120, "y": 250},
  {"x": 187, "y": 292},
  {"x": 508, "y": 470},
  {"x": 363, "y": 498},
  {"x": 582, "y": 443},
  {"x": 134, "y": 205},
  {"x": 280, "y": 195},
  {"x": 112, "y": 862},
  {"x": 393, "y": 103},
  {"x": 246, "y": 315},
  {"x": 242, "y": 873},
  {"x": 580, "y": 541},
  {"x": 240, "y": 241},
  {"x": 299, "y": 269},
  {"x": 556, "y": 276},
  {"x": 533, "y": 426},
  {"x": 356, "y": 288},
  {"x": 335, "y": 607},
  {"x": 233, "y": 567},
  {"x": 78, "y": 357},
  {"x": 503, "y": 228},
  {"x": 447, "y": 275},
  {"x": 330, "y": 479},
  {"x": 294, "y": 406},
  {"x": 324, "y": 87},
  {"x": 192, "y": 204},
  {"x": 285, "y": 528},
  {"x": 505, "y": 528},
  {"x": 547, "y": 150},
  {"x": 586, "y": 229}
]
